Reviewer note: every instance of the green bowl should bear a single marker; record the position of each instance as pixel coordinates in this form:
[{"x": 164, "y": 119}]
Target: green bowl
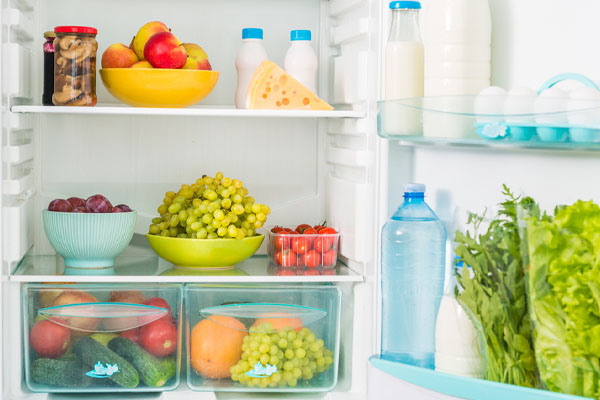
[
  {"x": 87, "y": 240},
  {"x": 204, "y": 253}
]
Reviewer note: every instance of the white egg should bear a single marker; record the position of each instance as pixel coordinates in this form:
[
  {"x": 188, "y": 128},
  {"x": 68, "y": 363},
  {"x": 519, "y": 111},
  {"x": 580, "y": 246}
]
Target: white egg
[
  {"x": 490, "y": 101},
  {"x": 587, "y": 99},
  {"x": 553, "y": 100},
  {"x": 519, "y": 101}
]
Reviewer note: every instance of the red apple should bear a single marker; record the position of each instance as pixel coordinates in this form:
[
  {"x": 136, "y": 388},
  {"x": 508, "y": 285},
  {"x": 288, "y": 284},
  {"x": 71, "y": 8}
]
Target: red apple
[{"x": 164, "y": 50}]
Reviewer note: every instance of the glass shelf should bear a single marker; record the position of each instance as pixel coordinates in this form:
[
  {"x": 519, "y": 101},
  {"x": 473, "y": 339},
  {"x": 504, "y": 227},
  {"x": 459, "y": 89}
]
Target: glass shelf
[
  {"x": 479, "y": 121},
  {"x": 257, "y": 269},
  {"x": 196, "y": 111}
]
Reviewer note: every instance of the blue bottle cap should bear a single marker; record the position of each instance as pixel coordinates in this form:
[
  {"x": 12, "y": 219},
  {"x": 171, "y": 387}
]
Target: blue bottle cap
[
  {"x": 300, "y": 34},
  {"x": 252, "y": 33},
  {"x": 405, "y": 5},
  {"x": 414, "y": 188}
]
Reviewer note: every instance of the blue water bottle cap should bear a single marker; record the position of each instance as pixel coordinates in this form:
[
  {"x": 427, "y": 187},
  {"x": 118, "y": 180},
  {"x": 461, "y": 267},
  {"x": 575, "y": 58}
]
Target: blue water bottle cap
[
  {"x": 405, "y": 5},
  {"x": 252, "y": 33},
  {"x": 414, "y": 188},
  {"x": 300, "y": 34}
]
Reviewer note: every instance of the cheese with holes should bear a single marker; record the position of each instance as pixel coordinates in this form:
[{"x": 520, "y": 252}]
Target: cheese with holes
[{"x": 272, "y": 88}]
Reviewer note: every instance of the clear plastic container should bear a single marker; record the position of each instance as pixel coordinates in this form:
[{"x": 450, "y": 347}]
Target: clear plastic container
[
  {"x": 304, "y": 251},
  {"x": 75, "y": 66},
  {"x": 102, "y": 337},
  {"x": 413, "y": 248},
  {"x": 262, "y": 338}
]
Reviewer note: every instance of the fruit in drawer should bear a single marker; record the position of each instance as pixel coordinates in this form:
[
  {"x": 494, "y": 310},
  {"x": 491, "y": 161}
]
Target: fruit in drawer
[
  {"x": 50, "y": 338},
  {"x": 142, "y": 64},
  {"x": 122, "y": 323},
  {"x": 132, "y": 334},
  {"x": 164, "y": 50},
  {"x": 156, "y": 302},
  {"x": 159, "y": 338},
  {"x": 145, "y": 33},
  {"x": 279, "y": 321},
  {"x": 46, "y": 297},
  {"x": 272, "y": 88},
  {"x": 210, "y": 208},
  {"x": 280, "y": 358},
  {"x": 118, "y": 55},
  {"x": 103, "y": 338},
  {"x": 196, "y": 57},
  {"x": 80, "y": 326},
  {"x": 127, "y": 296},
  {"x": 216, "y": 345}
]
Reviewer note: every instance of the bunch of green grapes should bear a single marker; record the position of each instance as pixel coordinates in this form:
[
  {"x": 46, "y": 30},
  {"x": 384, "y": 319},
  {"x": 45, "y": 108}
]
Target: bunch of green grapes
[
  {"x": 210, "y": 208},
  {"x": 297, "y": 355}
]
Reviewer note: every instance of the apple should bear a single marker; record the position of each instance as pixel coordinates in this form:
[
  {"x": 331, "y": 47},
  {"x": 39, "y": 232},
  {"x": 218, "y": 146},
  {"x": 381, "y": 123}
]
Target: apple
[
  {"x": 145, "y": 33},
  {"x": 197, "y": 57},
  {"x": 80, "y": 326},
  {"x": 118, "y": 55},
  {"x": 164, "y": 50},
  {"x": 142, "y": 64},
  {"x": 127, "y": 296},
  {"x": 123, "y": 323}
]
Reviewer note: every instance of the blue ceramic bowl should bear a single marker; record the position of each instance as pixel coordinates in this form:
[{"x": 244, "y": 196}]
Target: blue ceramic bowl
[{"x": 89, "y": 241}]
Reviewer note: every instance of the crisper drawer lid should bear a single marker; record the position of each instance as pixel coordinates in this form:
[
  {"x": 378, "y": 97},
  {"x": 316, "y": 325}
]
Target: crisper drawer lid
[
  {"x": 269, "y": 317},
  {"x": 102, "y": 317}
]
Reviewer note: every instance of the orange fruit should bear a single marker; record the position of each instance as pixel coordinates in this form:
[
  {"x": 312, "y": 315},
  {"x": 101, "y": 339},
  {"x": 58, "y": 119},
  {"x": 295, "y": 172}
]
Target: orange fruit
[
  {"x": 279, "y": 321},
  {"x": 216, "y": 346}
]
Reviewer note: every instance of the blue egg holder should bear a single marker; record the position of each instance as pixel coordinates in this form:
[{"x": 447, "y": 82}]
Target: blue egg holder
[{"x": 544, "y": 132}]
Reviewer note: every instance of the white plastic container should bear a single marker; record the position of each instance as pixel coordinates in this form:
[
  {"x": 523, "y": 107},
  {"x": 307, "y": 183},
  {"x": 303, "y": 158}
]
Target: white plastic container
[
  {"x": 520, "y": 101},
  {"x": 457, "y": 37},
  {"x": 588, "y": 99},
  {"x": 301, "y": 61},
  {"x": 403, "y": 68},
  {"x": 249, "y": 57},
  {"x": 550, "y": 107}
]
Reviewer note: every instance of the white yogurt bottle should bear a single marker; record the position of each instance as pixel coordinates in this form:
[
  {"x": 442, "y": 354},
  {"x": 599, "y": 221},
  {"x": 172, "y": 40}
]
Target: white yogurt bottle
[
  {"x": 403, "y": 69},
  {"x": 301, "y": 61},
  {"x": 249, "y": 57},
  {"x": 457, "y": 37}
]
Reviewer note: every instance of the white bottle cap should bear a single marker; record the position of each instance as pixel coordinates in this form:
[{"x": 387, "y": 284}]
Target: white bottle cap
[{"x": 414, "y": 188}]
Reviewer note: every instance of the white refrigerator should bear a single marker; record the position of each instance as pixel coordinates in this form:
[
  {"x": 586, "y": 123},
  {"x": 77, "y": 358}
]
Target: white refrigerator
[{"x": 307, "y": 166}]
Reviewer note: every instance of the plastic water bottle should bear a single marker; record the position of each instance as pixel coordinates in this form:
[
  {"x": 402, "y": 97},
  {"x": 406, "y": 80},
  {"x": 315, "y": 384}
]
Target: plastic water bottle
[
  {"x": 412, "y": 280},
  {"x": 248, "y": 58},
  {"x": 301, "y": 61}
]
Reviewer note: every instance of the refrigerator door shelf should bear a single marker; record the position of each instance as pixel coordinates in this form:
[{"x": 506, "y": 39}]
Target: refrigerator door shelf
[{"x": 391, "y": 380}]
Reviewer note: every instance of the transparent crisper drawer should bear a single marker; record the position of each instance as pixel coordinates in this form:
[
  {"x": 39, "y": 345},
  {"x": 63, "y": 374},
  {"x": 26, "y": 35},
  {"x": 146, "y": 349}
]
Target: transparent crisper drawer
[
  {"x": 258, "y": 338},
  {"x": 102, "y": 337}
]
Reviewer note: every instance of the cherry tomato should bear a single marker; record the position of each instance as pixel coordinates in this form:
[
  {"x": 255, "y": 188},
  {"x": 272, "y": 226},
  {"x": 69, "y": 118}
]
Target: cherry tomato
[
  {"x": 281, "y": 241},
  {"x": 329, "y": 258},
  {"x": 326, "y": 230},
  {"x": 302, "y": 227},
  {"x": 322, "y": 244},
  {"x": 311, "y": 259},
  {"x": 286, "y": 257},
  {"x": 290, "y": 230},
  {"x": 310, "y": 232},
  {"x": 317, "y": 227},
  {"x": 300, "y": 245},
  {"x": 277, "y": 229}
]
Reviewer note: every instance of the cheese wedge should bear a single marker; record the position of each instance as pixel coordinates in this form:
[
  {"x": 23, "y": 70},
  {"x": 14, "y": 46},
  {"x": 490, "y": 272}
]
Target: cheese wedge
[{"x": 271, "y": 88}]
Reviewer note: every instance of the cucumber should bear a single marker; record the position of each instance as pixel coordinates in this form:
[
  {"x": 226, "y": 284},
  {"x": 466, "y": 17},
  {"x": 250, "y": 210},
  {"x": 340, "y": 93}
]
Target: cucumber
[
  {"x": 152, "y": 371},
  {"x": 169, "y": 366},
  {"x": 64, "y": 373},
  {"x": 91, "y": 352}
]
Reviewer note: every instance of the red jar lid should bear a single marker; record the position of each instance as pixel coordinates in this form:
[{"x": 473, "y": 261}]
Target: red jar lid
[{"x": 76, "y": 29}]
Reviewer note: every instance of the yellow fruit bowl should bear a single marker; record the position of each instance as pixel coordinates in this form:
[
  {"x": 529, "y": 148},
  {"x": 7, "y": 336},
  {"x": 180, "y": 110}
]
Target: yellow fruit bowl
[
  {"x": 168, "y": 88},
  {"x": 204, "y": 253}
]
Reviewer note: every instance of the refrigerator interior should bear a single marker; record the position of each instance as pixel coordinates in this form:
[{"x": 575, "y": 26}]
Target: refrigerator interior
[{"x": 306, "y": 169}]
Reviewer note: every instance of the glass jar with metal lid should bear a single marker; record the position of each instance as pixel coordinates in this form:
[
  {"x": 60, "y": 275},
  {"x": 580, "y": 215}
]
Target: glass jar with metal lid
[{"x": 75, "y": 66}]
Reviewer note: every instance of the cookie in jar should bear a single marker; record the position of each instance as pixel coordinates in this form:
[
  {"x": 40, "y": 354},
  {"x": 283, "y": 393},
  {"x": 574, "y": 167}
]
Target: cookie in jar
[{"x": 75, "y": 66}]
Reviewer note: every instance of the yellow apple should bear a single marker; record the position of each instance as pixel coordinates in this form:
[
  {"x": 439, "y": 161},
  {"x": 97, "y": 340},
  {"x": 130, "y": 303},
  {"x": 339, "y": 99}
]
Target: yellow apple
[{"x": 197, "y": 57}]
